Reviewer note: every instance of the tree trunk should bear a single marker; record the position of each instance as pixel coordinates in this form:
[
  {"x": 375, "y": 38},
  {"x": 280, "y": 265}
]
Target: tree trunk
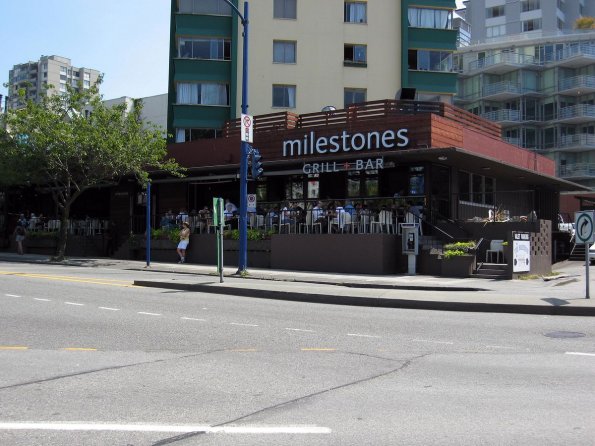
[{"x": 63, "y": 233}]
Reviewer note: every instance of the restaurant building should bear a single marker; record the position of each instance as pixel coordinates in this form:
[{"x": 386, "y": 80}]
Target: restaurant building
[{"x": 384, "y": 156}]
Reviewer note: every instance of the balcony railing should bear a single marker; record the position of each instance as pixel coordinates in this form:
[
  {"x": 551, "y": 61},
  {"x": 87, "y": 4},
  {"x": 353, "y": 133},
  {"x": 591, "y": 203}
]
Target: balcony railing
[
  {"x": 584, "y": 49},
  {"x": 577, "y": 170},
  {"x": 503, "y": 115},
  {"x": 502, "y": 58},
  {"x": 501, "y": 87},
  {"x": 577, "y": 111},
  {"x": 583, "y": 81},
  {"x": 582, "y": 139}
]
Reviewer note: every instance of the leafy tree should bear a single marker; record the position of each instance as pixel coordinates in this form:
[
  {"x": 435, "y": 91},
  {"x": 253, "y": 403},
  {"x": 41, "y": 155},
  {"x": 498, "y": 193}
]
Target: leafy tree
[
  {"x": 72, "y": 142},
  {"x": 585, "y": 23}
]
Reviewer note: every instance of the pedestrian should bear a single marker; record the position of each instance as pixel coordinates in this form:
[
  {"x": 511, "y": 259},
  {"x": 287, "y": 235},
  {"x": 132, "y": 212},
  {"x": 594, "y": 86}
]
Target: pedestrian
[
  {"x": 184, "y": 241},
  {"x": 19, "y": 236}
]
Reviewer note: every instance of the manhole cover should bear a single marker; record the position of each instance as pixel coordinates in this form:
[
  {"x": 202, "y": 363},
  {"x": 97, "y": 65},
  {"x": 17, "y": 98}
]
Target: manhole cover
[{"x": 565, "y": 334}]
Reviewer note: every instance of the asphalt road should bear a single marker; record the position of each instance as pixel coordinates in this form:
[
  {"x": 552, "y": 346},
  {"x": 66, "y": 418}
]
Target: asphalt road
[{"x": 86, "y": 359}]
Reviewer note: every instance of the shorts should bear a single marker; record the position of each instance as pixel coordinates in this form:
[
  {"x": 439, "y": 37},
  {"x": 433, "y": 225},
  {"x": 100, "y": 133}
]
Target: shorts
[
  {"x": 183, "y": 244},
  {"x": 20, "y": 238}
]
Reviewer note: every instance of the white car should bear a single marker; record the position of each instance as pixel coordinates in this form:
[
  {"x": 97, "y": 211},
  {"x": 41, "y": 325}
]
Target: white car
[{"x": 592, "y": 254}]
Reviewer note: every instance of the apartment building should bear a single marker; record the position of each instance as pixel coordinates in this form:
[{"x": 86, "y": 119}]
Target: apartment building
[
  {"x": 304, "y": 55},
  {"x": 35, "y": 77},
  {"x": 542, "y": 92},
  {"x": 523, "y": 19}
]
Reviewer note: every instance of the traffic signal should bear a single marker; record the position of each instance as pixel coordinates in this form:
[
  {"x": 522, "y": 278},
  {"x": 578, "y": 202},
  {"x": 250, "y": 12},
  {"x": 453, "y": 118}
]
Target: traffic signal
[{"x": 256, "y": 164}]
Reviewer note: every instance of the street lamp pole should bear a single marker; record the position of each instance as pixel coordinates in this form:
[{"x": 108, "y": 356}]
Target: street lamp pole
[{"x": 243, "y": 222}]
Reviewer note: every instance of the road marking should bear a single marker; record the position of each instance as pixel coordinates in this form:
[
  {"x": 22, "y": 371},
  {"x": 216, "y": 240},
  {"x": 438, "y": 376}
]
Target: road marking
[
  {"x": 148, "y": 314},
  {"x": 300, "y": 329},
  {"x": 192, "y": 319},
  {"x": 109, "y": 309},
  {"x": 13, "y": 347},
  {"x": 433, "y": 342},
  {"x": 318, "y": 349},
  {"x": 243, "y": 325},
  {"x": 580, "y": 354},
  {"x": 242, "y": 350},
  {"x": 167, "y": 428},
  {"x": 12, "y": 295},
  {"x": 362, "y": 335},
  {"x": 79, "y": 349},
  {"x": 96, "y": 281},
  {"x": 74, "y": 303},
  {"x": 41, "y": 300}
]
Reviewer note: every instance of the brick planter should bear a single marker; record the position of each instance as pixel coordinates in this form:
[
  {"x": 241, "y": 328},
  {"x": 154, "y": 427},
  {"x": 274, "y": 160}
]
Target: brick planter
[{"x": 459, "y": 266}]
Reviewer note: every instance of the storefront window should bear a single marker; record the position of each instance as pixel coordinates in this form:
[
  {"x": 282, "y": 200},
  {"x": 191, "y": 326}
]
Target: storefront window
[
  {"x": 261, "y": 190},
  {"x": 313, "y": 186},
  {"x": 416, "y": 181},
  {"x": 294, "y": 188},
  {"x": 362, "y": 184}
]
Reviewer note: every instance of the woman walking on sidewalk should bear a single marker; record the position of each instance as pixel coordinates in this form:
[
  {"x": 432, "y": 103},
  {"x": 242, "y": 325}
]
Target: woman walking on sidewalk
[
  {"x": 19, "y": 236},
  {"x": 184, "y": 240}
]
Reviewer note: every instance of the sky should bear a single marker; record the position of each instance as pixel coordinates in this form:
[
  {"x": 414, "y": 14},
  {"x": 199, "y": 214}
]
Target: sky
[{"x": 126, "y": 40}]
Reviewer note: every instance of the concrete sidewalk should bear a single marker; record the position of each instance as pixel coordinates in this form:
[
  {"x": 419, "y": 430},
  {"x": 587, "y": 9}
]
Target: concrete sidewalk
[{"x": 563, "y": 294}]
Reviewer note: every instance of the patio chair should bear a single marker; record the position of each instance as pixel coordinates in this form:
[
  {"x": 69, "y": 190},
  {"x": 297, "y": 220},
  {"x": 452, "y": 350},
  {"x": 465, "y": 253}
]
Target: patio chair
[{"x": 497, "y": 248}]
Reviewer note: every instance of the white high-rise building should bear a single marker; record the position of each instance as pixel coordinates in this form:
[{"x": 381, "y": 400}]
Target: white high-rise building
[{"x": 55, "y": 71}]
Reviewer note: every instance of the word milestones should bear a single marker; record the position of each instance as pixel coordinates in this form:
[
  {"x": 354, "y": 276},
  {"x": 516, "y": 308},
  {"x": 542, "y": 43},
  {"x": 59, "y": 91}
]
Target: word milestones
[{"x": 345, "y": 142}]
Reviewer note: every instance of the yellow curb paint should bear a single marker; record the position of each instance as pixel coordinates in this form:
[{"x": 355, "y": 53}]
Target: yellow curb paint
[
  {"x": 110, "y": 282},
  {"x": 13, "y": 347},
  {"x": 79, "y": 349},
  {"x": 319, "y": 349}
]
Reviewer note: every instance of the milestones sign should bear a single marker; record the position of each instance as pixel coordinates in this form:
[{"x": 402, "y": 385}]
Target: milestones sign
[{"x": 344, "y": 142}]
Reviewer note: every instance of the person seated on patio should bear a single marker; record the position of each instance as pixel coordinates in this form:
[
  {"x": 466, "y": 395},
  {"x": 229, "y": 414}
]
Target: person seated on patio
[
  {"x": 318, "y": 213},
  {"x": 204, "y": 215},
  {"x": 350, "y": 208},
  {"x": 182, "y": 217},
  {"x": 287, "y": 214},
  {"x": 271, "y": 218},
  {"x": 230, "y": 207},
  {"x": 338, "y": 220}
]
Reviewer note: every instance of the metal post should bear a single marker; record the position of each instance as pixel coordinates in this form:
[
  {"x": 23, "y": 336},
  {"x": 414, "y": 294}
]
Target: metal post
[
  {"x": 148, "y": 244},
  {"x": 587, "y": 265},
  {"x": 243, "y": 222}
]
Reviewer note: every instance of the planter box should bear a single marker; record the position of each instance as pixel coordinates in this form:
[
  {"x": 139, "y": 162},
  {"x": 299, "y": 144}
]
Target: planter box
[{"x": 458, "y": 266}]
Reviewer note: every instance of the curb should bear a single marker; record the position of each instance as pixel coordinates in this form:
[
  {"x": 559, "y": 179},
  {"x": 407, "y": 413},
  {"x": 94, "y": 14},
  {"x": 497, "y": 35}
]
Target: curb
[{"x": 377, "y": 302}]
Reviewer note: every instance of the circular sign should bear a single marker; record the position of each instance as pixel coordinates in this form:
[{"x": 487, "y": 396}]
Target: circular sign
[
  {"x": 251, "y": 198},
  {"x": 584, "y": 227},
  {"x": 247, "y": 121}
]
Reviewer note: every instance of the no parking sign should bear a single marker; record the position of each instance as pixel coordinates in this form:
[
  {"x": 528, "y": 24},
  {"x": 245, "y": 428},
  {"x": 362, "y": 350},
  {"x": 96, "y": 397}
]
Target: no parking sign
[{"x": 251, "y": 202}]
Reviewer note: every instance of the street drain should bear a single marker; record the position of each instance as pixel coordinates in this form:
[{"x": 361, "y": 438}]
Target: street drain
[{"x": 565, "y": 334}]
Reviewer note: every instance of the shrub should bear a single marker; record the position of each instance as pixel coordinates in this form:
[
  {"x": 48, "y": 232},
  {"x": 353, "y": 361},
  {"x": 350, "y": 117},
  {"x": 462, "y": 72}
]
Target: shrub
[
  {"x": 253, "y": 234},
  {"x": 453, "y": 253},
  {"x": 460, "y": 246}
]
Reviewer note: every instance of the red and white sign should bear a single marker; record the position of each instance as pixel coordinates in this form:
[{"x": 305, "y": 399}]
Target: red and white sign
[
  {"x": 251, "y": 202},
  {"x": 247, "y": 128}
]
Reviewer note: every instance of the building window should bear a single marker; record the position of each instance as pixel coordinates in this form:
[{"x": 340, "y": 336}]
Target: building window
[
  {"x": 362, "y": 184},
  {"x": 426, "y": 60},
  {"x": 355, "y": 55},
  {"x": 285, "y": 9},
  {"x": 214, "y": 49},
  {"x": 185, "y": 135},
  {"x": 356, "y": 12},
  {"x": 87, "y": 76},
  {"x": 203, "y": 93},
  {"x": 531, "y": 25},
  {"x": 476, "y": 188},
  {"x": 430, "y": 18},
  {"x": 530, "y": 5},
  {"x": 495, "y": 31},
  {"x": 63, "y": 70},
  {"x": 354, "y": 96},
  {"x": 495, "y": 11},
  {"x": 214, "y": 7},
  {"x": 284, "y": 51},
  {"x": 284, "y": 96}
]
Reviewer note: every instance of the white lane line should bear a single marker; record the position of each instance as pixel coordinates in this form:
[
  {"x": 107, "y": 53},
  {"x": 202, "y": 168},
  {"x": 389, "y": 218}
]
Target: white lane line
[
  {"x": 167, "y": 428},
  {"x": 580, "y": 354},
  {"x": 243, "y": 325},
  {"x": 501, "y": 347},
  {"x": 148, "y": 314},
  {"x": 12, "y": 295},
  {"x": 109, "y": 309},
  {"x": 362, "y": 335},
  {"x": 300, "y": 329},
  {"x": 192, "y": 319},
  {"x": 41, "y": 300},
  {"x": 74, "y": 303},
  {"x": 433, "y": 342}
]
